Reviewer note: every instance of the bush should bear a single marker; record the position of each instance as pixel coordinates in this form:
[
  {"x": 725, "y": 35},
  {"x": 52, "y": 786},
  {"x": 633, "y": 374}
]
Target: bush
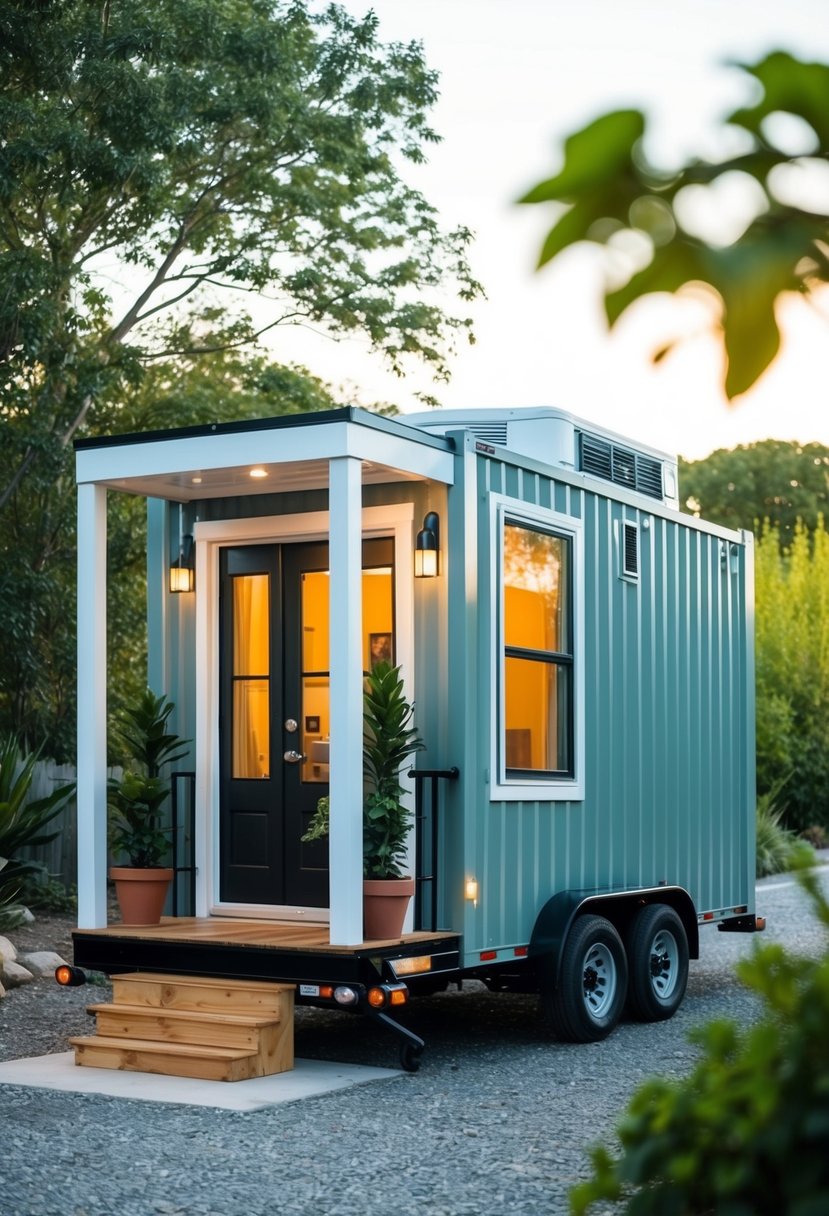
[
  {"x": 746, "y": 1133},
  {"x": 22, "y": 822},
  {"x": 775, "y": 843}
]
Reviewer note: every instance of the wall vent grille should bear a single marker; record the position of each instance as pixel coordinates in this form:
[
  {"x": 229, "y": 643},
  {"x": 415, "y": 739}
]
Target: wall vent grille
[
  {"x": 621, "y": 466},
  {"x": 630, "y": 552}
]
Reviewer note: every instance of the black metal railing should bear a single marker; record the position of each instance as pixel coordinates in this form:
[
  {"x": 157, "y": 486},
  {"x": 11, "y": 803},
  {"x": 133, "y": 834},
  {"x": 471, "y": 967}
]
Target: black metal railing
[
  {"x": 427, "y": 840},
  {"x": 183, "y": 842}
]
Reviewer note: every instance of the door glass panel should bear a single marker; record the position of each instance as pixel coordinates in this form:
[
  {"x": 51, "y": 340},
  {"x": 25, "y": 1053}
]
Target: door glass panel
[
  {"x": 535, "y": 581},
  {"x": 378, "y": 643},
  {"x": 251, "y": 620},
  {"x": 251, "y": 670},
  {"x": 251, "y": 729},
  {"x": 315, "y": 585},
  {"x": 536, "y": 696}
]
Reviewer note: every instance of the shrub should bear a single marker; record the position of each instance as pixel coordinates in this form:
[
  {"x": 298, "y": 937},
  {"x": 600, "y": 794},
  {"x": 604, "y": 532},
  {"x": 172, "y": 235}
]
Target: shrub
[
  {"x": 22, "y": 821},
  {"x": 775, "y": 843},
  {"x": 746, "y": 1133}
]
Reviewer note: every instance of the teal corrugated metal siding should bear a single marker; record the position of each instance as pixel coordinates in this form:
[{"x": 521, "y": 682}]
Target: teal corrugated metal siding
[{"x": 669, "y": 791}]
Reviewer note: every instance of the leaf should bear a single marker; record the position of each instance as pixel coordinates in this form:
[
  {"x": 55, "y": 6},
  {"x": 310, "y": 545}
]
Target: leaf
[{"x": 592, "y": 157}]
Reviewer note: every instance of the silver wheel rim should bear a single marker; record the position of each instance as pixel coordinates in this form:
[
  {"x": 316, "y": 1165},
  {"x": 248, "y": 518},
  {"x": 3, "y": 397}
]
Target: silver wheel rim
[
  {"x": 663, "y": 963},
  {"x": 599, "y": 979}
]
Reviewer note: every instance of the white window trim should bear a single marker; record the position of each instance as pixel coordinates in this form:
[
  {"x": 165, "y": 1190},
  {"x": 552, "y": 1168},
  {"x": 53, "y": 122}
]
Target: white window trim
[
  {"x": 535, "y": 789},
  {"x": 395, "y": 519}
]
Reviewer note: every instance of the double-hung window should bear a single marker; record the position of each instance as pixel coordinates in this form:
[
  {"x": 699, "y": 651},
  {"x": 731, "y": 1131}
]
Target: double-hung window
[{"x": 538, "y": 734}]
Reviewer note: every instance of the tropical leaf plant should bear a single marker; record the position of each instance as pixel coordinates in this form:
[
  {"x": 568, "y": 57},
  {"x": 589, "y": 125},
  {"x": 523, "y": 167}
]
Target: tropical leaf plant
[{"x": 137, "y": 798}]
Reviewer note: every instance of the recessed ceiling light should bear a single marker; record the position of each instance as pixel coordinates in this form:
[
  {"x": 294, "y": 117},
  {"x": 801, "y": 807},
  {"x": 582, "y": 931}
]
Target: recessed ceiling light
[
  {"x": 259, "y": 472},
  {"x": 196, "y": 481}
]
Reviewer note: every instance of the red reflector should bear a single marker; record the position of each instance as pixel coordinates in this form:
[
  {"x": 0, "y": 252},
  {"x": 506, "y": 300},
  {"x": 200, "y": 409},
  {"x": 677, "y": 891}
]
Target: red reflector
[
  {"x": 760, "y": 924},
  {"x": 326, "y": 991},
  {"x": 486, "y": 955},
  {"x": 708, "y": 916},
  {"x": 521, "y": 951}
]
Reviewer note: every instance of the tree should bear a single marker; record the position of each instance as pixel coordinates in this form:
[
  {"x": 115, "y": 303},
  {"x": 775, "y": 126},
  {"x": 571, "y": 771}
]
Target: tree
[
  {"x": 607, "y": 187},
  {"x": 792, "y": 674},
  {"x": 770, "y": 483},
  {"x": 161, "y": 163}
]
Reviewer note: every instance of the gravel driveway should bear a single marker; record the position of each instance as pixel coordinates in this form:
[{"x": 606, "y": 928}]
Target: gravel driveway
[{"x": 497, "y": 1120}]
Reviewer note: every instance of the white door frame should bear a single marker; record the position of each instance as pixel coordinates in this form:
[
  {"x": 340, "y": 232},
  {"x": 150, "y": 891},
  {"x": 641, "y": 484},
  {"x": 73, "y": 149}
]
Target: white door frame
[{"x": 395, "y": 520}]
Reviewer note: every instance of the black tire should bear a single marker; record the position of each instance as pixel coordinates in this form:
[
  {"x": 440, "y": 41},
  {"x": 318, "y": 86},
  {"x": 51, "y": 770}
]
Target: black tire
[
  {"x": 588, "y": 1000},
  {"x": 657, "y": 948}
]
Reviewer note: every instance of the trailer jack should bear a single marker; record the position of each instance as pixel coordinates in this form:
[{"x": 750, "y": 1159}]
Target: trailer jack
[{"x": 411, "y": 1048}]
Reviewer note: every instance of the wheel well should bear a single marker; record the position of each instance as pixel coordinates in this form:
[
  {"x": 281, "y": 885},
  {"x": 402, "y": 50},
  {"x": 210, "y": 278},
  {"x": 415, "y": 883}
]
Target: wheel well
[{"x": 555, "y": 919}]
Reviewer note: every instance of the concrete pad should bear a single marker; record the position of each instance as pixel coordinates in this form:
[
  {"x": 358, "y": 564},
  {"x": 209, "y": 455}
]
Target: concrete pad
[{"x": 308, "y": 1079}]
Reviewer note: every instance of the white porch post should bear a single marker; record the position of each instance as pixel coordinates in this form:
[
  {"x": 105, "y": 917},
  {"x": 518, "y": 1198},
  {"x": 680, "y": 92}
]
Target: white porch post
[
  {"x": 92, "y": 660},
  {"x": 346, "y": 660}
]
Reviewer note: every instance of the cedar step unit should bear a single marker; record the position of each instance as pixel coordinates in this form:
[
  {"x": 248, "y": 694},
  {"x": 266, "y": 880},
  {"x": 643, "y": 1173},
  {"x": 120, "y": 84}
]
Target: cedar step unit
[{"x": 188, "y": 1026}]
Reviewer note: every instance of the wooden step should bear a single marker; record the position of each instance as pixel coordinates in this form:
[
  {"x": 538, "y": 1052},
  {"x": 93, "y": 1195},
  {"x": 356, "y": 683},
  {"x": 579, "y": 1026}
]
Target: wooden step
[
  {"x": 182, "y": 1025},
  {"x": 167, "y": 1059},
  {"x": 200, "y": 994},
  {"x": 190, "y": 1026}
]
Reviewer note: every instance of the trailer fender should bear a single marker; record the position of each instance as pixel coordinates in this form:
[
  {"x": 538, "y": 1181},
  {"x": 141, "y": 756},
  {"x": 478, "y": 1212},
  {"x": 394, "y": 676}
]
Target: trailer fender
[{"x": 554, "y": 921}]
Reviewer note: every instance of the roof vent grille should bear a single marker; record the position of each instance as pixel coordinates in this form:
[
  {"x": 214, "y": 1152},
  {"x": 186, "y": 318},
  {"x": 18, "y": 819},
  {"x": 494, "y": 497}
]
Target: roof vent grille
[
  {"x": 621, "y": 466},
  {"x": 490, "y": 432}
]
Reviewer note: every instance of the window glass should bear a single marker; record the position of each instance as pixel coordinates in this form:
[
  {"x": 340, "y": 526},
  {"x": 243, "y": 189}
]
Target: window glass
[
  {"x": 535, "y": 578},
  {"x": 537, "y": 730},
  {"x": 536, "y": 715}
]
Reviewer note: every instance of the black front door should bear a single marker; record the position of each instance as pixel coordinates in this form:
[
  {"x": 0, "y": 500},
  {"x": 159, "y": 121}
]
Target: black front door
[{"x": 274, "y": 712}]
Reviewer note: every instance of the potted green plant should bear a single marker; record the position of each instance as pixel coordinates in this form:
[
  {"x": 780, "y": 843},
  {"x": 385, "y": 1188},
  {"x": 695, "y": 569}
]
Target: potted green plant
[
  {"x": 389, "y": 739},
  {"x": 136, "y": 801}
]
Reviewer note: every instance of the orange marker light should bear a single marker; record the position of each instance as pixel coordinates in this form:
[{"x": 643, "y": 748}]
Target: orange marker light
[
  {"x": 376, "y": 998},
  {"x": 398, "y": 996}
]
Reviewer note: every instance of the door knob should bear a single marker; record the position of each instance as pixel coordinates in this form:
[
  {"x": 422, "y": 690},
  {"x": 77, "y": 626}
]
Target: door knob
[{"x": 292, "y": 757}]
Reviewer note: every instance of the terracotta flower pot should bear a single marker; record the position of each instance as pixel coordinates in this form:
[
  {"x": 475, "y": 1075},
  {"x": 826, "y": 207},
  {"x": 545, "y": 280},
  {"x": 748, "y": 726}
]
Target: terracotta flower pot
[
  {"x": 385, "y": 901},
  {"x": 140, "y": 893}
]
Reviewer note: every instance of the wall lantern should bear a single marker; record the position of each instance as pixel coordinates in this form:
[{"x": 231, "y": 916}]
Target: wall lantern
[
  {"x": 182, "y": 574},
  {"x": 427, "y": 547}
]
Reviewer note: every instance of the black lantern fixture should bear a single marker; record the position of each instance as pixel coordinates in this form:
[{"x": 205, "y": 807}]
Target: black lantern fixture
[
  {"x": 182, "y": 574},
  {"x": 427, "y": 547}
]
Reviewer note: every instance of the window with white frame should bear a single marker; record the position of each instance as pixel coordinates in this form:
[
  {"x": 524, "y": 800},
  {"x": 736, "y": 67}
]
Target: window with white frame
[{"x": 538, "y": 734}]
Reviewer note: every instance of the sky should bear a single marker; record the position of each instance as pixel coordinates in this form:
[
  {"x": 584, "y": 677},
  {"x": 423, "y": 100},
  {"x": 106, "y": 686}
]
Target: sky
[{"x": 518, "y": 76}]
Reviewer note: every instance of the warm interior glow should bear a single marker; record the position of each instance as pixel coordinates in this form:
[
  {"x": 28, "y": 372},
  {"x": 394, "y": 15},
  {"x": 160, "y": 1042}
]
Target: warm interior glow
[
  {"x": 535, "y": 619},
  {"x": 378, "y": 643},
  {"x": 251, "y": 676}
]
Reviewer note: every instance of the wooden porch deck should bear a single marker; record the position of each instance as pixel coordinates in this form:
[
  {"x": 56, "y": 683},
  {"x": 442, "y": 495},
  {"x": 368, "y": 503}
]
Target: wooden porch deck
[{"x": 264, "y": 934}]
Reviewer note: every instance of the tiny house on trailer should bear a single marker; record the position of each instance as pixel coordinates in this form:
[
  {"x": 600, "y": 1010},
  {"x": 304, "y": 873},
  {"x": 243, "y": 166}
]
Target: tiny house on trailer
[{"x": 581, "y": 659}]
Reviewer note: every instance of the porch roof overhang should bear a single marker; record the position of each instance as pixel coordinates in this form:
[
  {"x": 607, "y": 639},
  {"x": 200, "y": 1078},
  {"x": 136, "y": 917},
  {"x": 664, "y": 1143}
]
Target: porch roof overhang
[{"x": 293, "y": 451}]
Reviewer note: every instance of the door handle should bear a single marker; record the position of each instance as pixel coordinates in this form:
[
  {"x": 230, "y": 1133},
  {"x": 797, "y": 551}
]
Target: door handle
[{"x": 292, "y": 757}]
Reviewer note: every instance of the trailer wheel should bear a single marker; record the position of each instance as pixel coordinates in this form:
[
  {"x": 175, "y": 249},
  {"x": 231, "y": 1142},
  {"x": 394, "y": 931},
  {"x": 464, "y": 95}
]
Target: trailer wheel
[
  {"x": 587, "y": 1002},
  {"x": 657, "y": 948}
]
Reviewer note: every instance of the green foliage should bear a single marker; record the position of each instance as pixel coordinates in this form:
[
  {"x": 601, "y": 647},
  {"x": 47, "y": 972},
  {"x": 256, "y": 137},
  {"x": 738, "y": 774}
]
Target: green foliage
[
  {"x": 792, "y": 673},
  {"x": 23, "y": 822},
  {"x": 771, "y": 481},
  {"x": 606, "y": 186},
  {"x": 746, "y": 1133},
  {"x": 177, "y": 177},
  {"x": 389, "y": 739},
  {"x": 776, "y": 844},
  {"x": 137, "y": 799},
  {"x": 43, "y": 892}
]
